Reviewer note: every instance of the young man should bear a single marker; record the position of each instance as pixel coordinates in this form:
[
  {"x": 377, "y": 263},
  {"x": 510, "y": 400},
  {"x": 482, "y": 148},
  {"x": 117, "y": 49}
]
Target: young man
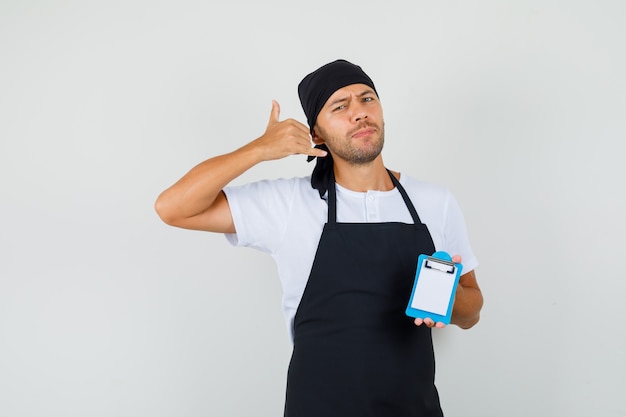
[{"x": 346, "y": 243}]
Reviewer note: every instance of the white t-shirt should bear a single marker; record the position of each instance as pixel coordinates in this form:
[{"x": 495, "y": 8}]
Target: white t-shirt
[{"x": 285, "y": 218}]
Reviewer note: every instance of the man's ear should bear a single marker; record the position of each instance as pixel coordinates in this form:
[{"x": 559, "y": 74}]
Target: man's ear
[{"x": 316, "y": 138}]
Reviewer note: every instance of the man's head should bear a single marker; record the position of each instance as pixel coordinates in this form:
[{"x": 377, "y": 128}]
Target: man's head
[
  {"x": 317, "y": 87},
  {"x": 343, "y": 111},
  {"x": 344, "y": 115}
]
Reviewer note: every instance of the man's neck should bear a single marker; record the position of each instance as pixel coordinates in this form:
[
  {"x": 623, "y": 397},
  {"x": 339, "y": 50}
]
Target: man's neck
[{"x": 363, "y": 177}]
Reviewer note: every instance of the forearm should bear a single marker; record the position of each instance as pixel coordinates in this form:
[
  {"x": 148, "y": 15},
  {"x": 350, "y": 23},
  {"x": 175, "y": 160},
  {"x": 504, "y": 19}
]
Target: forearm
[
  {"x": 467, "y": 303},
  {"x": 195, "y": 192}
]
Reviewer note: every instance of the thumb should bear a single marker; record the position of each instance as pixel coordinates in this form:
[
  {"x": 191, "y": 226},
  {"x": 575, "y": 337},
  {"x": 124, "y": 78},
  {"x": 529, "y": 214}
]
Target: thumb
[{"x": 275, "y": 114}]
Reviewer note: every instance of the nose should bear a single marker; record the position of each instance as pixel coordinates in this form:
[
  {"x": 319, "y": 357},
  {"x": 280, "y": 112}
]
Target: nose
[
  {"x": 359, "y": 113},
  {"x": 360, "y": 116}
]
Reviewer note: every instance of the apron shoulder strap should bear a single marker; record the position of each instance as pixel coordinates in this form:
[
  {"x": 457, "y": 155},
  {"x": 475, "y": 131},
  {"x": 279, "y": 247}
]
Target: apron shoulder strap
[
  {"x": 405, "y": 197},
  {"x": 332, "y": 200}
]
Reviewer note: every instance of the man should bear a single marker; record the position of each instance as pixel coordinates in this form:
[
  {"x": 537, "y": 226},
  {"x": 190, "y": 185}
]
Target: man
[{"x": 346, "y": 243}]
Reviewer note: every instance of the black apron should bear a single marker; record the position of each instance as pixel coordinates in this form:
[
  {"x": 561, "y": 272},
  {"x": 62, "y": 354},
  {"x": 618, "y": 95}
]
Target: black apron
[{"x": 356, "y": 353}]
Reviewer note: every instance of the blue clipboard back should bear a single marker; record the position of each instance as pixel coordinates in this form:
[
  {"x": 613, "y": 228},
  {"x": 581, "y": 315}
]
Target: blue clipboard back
[{"x": 436, "y": 279}]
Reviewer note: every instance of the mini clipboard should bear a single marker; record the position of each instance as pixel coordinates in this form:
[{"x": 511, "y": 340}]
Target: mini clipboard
[{"x": 435, "y": 284}]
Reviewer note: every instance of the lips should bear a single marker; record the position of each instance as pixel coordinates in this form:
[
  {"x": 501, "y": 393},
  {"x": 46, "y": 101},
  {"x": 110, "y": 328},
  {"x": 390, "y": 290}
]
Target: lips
[{"x": 364, "y": 131}]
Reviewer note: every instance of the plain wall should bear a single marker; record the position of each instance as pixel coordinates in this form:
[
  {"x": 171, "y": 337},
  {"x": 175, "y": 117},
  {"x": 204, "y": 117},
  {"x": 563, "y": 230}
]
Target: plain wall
[{"x": 519, "y": 107}]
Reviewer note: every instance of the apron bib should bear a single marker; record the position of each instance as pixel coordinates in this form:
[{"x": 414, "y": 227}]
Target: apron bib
[{"x": 356, "y": 353}]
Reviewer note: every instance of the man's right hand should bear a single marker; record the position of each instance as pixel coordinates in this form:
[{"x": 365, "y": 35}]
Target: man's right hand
[{"x": 285, "y": 138}]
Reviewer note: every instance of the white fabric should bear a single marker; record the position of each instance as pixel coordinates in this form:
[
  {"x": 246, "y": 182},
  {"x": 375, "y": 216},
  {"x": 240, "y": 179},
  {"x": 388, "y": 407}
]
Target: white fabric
[{"x": 285, "y": 218}]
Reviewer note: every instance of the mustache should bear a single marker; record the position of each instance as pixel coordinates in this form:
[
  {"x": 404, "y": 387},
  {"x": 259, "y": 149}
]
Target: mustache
[{"x": 363, "y": 125}]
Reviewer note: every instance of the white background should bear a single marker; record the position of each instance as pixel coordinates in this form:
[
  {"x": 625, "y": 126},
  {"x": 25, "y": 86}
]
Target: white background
[{"x": 519, "y": 107}]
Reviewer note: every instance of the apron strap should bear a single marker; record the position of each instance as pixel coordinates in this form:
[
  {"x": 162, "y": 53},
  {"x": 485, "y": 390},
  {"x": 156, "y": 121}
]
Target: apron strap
[
  {"x": 407, "y": 200},
  {"x": 332, "y": 200}
]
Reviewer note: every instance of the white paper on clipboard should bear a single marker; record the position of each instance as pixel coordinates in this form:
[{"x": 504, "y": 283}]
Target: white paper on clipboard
[{"x": 434, "y": 287}]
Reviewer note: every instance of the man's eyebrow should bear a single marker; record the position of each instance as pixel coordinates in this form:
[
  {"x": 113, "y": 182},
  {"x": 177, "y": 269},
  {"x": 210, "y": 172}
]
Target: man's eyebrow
[
  {"x": 337, "y": 101},
  {"x": 345, "y": 98},
  {"x": 366, "y": 92}
]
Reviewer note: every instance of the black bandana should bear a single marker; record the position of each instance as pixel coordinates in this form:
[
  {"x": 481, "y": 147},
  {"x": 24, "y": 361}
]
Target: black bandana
[{"x": 314, "y": 90}]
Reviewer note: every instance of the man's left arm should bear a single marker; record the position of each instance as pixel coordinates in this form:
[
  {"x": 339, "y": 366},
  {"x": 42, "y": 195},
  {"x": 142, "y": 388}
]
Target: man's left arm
[{"x": 467, "y": 302}]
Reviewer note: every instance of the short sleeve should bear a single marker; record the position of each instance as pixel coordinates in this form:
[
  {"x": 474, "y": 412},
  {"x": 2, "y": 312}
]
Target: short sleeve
[
  {"x": 259, "y": 211},
  {"x": 455, "y": 232}
]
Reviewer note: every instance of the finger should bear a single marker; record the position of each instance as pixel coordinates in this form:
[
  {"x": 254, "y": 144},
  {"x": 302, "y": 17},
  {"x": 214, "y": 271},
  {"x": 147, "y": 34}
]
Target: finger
[
  {"x": 316, "y": 152},
  {"x": 302, "y": 127},
  {"x": 429, "y": 322},
  {"x": 418, "y": 322},
  {"x": 275, "y": 113},
  {"x": 456, "y": 259},
  {"x": 440, "y": 325}
]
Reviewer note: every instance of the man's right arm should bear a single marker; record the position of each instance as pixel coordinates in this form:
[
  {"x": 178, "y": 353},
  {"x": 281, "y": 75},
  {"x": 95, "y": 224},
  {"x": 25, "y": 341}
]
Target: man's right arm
[{"x": 197, "y": 201}]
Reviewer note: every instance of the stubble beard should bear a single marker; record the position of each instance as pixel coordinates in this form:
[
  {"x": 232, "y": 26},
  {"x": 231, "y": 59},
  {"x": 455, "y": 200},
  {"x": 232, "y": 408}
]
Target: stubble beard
[{"x": 345, "y": 149}]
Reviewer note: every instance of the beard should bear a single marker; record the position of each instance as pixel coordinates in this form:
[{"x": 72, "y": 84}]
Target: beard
[{"x": 356, "y": 151}]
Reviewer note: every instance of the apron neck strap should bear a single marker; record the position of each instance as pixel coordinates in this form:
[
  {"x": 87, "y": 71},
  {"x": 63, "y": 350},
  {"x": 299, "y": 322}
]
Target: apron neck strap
[{"x": 332, "y": 199}]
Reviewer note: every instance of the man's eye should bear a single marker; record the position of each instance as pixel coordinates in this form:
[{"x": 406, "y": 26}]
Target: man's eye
[
  {"x": 368, "y": 98},
  {"x": 341, "y": 107}
]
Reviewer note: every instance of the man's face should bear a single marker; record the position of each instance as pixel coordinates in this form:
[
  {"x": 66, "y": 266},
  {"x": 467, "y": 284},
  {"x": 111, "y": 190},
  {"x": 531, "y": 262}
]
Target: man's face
[{"x": 351, "y": 124}]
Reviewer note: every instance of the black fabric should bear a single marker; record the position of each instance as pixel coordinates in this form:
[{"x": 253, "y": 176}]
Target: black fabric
[
  {"x": 356, "y": 353},
  {"x": 320, "y": 177},
  {"x": 314, "y": 90}
]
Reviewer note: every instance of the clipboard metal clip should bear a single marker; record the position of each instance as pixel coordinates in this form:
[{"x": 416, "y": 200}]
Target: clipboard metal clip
[{"x": 440, "y": 265}]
